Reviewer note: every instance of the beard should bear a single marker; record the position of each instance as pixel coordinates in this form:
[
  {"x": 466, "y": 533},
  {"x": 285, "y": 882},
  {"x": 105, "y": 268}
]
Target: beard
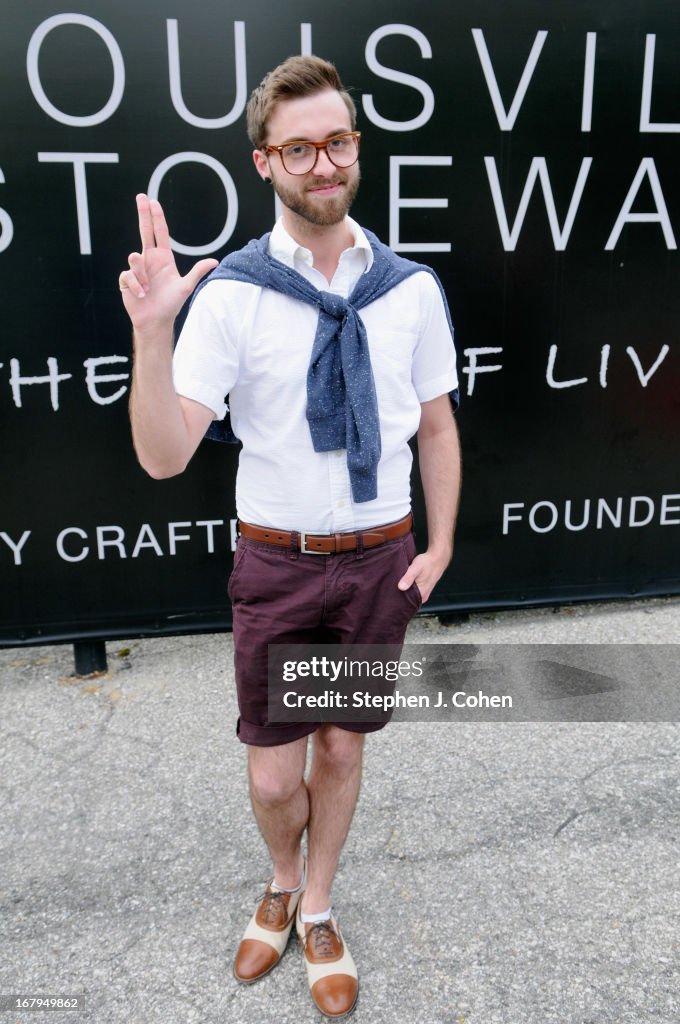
[{"x": 325, "y": 212}]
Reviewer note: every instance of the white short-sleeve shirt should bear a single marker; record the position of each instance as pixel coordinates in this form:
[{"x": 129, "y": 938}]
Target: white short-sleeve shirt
[{"x": 254, "y": 345}]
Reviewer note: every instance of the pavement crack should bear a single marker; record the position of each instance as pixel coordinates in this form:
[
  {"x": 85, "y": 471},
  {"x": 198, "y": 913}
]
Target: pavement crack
[
  {"x": 573, "y": 817},
  {"x": 624, "y": 762}
]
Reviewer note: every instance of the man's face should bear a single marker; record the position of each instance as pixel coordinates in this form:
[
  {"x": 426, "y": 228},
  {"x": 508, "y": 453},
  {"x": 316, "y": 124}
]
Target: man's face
[{"x": 324, "y": 195}]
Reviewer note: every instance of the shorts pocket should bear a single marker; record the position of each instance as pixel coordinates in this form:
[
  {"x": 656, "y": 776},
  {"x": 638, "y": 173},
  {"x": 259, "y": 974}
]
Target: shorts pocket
[
  {"x": 239, "y": 559},
  {"x": 409, "y": 552}
]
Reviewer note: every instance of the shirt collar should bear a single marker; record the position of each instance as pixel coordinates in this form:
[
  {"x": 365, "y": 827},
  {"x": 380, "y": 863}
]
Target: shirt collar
[{"x": 285, "y": 249}]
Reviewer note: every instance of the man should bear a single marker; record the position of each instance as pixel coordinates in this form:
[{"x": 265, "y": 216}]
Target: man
[{"x": 324, "y": 395}]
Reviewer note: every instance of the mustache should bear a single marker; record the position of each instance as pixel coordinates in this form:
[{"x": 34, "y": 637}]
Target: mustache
[{"x": 325, "y": 182}]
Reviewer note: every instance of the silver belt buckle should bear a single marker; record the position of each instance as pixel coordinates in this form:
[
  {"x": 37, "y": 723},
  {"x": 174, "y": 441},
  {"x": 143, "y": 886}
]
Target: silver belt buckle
[{"x": 304, "y": 550}]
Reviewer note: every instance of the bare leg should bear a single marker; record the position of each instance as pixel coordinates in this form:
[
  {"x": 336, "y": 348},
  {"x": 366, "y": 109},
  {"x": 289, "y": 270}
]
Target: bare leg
[
  {"x": 333, "y": 788},
  {"x": 281, "y": 804}
]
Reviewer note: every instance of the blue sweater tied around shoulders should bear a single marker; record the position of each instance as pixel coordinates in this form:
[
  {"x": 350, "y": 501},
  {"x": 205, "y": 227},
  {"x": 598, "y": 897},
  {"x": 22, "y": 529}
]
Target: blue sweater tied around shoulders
[{"x": 342, "y": 406}]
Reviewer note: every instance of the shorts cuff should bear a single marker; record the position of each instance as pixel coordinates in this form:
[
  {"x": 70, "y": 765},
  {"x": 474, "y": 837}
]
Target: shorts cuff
[
  {"x": 272, "y": 735},
  {"x": 277, "y": 735}
]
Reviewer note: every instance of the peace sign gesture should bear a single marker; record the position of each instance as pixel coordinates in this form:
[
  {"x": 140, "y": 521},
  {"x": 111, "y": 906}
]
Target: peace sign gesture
[{"x": 153, "y": 290}]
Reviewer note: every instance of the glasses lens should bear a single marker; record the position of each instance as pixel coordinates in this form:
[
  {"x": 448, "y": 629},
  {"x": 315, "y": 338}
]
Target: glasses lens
[
  {"x": 298, "y": 158},
  {"x": 343, "y": 150}
]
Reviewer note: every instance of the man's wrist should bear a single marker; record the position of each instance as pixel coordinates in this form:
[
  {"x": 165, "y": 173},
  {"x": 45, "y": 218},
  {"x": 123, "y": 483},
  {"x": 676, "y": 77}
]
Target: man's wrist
[
  {"x": 155, "y": 332},
  {"x": 441, "y": 552}
]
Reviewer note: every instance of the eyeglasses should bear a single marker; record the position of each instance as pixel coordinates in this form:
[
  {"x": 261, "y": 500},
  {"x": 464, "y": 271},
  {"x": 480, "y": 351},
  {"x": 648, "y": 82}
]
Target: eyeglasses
[{"x": 301, "y": 157}]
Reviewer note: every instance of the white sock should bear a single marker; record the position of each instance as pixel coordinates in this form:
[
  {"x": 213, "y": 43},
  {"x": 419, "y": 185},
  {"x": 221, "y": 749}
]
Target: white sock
[
  {"x": 282, "y": 888},
  {"x": 314, "y": 918}
]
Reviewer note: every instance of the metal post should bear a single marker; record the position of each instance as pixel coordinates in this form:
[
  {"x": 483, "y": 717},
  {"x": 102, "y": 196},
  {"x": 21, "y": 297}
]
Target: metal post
[{"x": 90, "y": 657}]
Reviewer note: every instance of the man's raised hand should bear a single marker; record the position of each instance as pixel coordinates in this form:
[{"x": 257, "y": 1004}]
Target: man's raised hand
[{"x": 153, "y": 290}]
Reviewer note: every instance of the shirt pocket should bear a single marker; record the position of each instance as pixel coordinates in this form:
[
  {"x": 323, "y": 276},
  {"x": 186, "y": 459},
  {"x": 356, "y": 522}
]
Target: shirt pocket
[{"x": 392, "y": 362}]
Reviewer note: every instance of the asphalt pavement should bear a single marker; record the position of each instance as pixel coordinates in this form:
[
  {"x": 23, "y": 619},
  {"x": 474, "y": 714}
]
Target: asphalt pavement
[{"x": 496, "y": 872}]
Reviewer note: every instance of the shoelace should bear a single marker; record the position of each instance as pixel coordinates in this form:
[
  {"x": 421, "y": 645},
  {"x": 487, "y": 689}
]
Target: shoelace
[
  {"x": 276, "y": 901},
  {"x": 322, "y": 944}
]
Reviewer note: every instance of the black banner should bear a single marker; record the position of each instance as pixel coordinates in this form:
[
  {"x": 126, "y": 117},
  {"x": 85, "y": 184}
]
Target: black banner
[{"x": 527, "y": 151}]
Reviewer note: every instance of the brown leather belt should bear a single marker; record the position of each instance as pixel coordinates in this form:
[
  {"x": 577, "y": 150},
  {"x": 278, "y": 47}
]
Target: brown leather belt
[{"x": 327, "y": 543}]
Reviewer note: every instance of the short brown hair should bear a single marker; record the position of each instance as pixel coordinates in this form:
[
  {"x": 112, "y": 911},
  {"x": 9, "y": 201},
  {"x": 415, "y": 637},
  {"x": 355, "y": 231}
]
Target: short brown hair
[{"x": 294, "y": 78}]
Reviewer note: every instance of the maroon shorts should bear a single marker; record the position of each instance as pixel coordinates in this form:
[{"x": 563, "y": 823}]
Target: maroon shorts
[{"x": 283, "y": 597}]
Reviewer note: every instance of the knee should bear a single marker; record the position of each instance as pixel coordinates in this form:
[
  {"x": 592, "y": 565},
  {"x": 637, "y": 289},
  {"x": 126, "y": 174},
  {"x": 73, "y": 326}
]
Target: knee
[
  {"x": 339, "y": 749},
  {"x": 270, "y": 788}
]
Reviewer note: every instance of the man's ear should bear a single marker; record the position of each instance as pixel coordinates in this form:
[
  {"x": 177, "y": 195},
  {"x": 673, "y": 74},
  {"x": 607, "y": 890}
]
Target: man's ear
[{"x": 262, "y": 164}]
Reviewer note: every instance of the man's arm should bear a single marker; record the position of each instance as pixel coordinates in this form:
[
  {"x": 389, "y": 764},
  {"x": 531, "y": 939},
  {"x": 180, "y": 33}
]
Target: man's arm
[
  {"x": 166, "y": 429},
  {"x": 440, "y": 472}
]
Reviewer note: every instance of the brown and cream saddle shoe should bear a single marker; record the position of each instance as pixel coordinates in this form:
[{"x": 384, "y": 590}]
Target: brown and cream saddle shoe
[
  {"x": 331, "y": 971},
  {"x": 266, "y": 936}
]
